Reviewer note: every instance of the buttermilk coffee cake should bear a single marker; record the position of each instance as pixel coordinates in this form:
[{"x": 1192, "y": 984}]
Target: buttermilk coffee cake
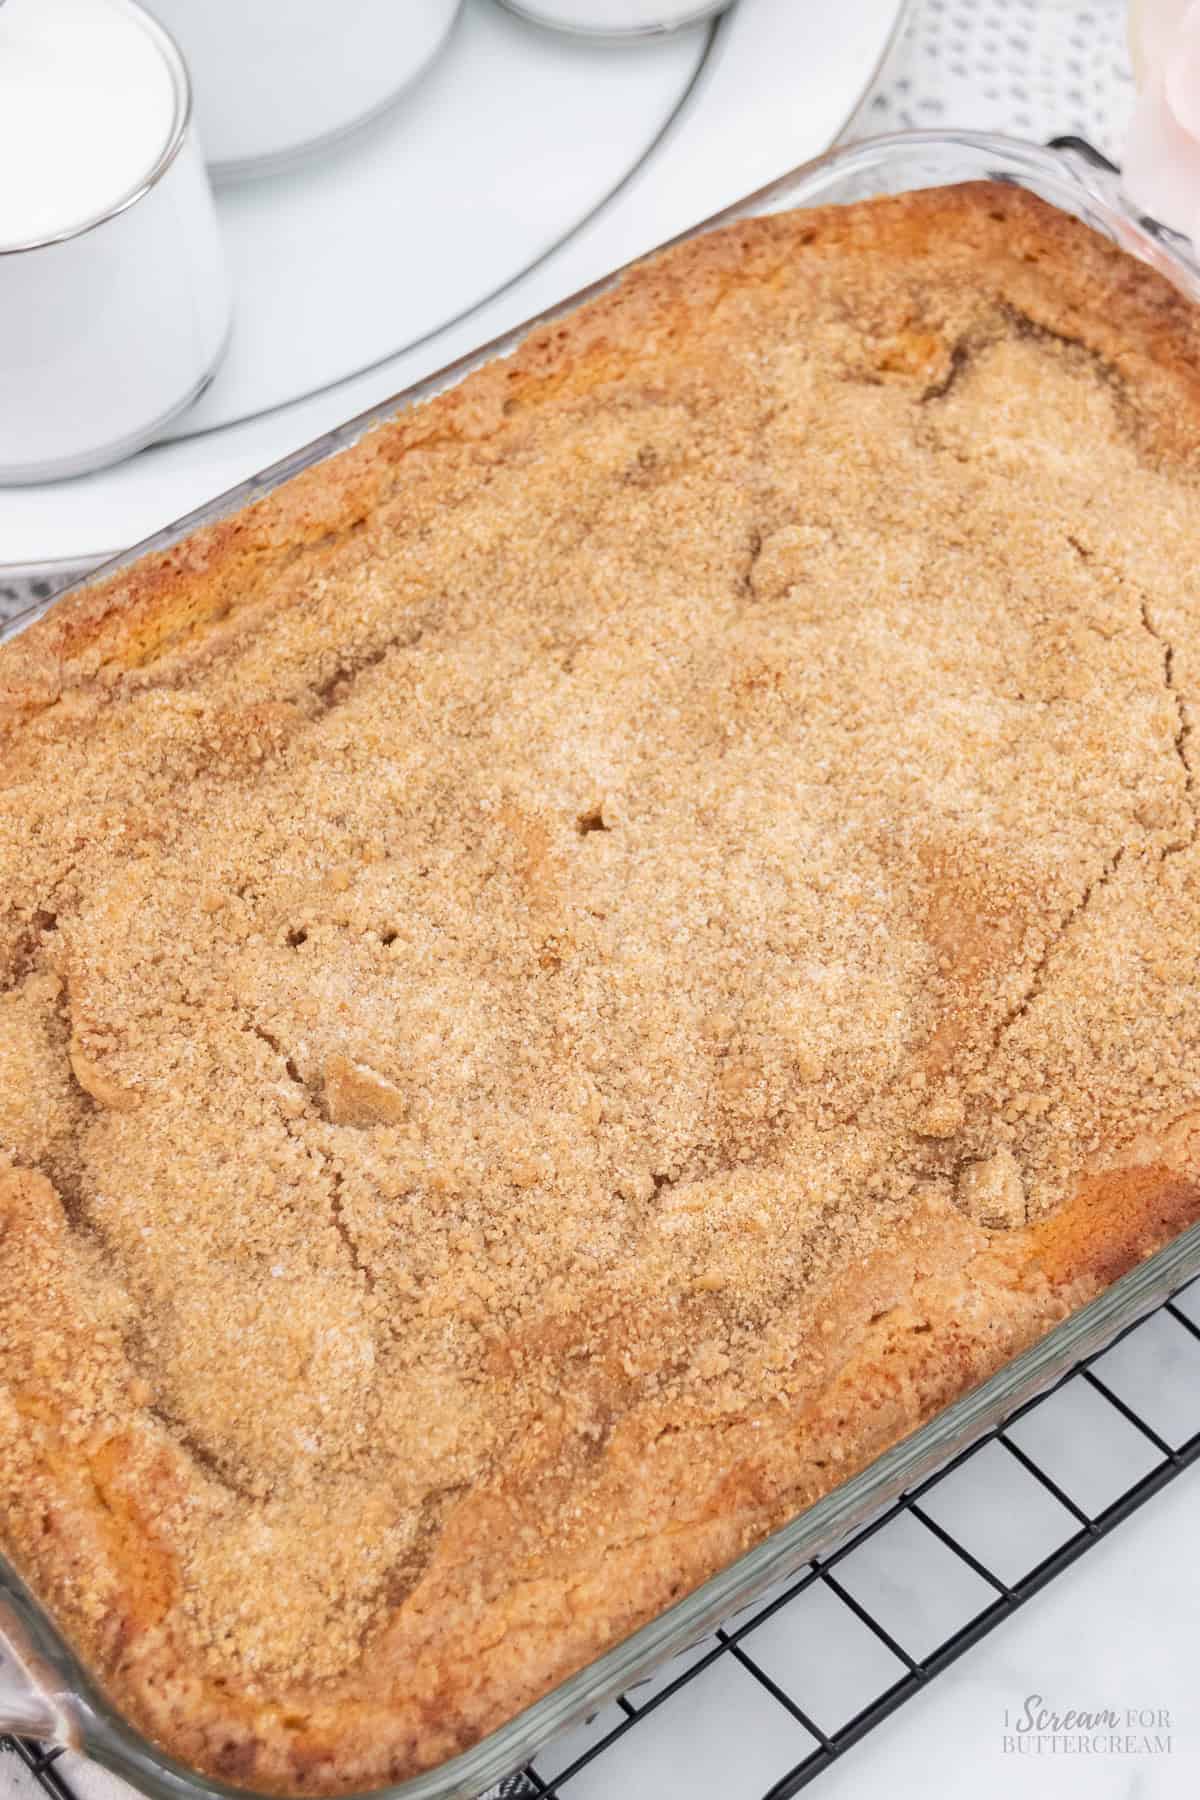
[{"x": 587, "y": 964}]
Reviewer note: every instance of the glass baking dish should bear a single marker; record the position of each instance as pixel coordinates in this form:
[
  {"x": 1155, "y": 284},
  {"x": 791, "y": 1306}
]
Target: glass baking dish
[{"x": 44, "y": 1691}]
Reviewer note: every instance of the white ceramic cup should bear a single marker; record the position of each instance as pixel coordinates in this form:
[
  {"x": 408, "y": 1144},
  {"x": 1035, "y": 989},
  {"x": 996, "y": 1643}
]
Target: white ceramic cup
[
  {"x": 275, "y": 78},
  {"x": 114, "y": 300}
]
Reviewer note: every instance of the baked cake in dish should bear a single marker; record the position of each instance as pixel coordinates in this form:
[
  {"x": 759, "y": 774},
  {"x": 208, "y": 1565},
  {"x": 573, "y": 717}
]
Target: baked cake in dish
[{"x": 587, "y": 964}]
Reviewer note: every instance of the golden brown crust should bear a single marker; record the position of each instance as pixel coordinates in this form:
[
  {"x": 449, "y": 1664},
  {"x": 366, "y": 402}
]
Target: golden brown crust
[{"x": 580, "y": 969}]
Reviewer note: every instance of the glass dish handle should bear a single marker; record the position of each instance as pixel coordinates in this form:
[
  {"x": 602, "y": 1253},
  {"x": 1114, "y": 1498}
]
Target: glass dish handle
[
  {"x": 1100, "y": 179},
  {"x": 1094, "y": 172},
  {"x": 27, "y": 1709}
]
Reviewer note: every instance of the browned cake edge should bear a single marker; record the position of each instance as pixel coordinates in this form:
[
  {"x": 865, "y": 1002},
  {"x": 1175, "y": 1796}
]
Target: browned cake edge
[{"x": 924, "y": 1322}]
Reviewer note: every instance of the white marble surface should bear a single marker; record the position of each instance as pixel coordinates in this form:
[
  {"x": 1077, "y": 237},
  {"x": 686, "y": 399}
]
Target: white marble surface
[{"x": 1118, "y": 1630}]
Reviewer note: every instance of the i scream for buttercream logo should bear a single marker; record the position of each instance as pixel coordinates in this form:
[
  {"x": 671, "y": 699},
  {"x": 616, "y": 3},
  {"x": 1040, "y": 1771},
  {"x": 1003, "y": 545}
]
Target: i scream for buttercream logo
[{"x": 1036, "y": 1728}]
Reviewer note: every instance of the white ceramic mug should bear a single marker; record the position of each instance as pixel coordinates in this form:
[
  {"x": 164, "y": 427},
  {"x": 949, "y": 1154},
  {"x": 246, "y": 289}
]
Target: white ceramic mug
[
  {"x": 114, "y": 300},
  {"x": 275, "y": 78}
]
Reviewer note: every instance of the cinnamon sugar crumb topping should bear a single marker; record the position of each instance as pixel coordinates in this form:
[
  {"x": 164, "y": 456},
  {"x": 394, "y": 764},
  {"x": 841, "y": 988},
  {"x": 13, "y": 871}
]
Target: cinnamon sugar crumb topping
[{"x": 485, "y": 1003}]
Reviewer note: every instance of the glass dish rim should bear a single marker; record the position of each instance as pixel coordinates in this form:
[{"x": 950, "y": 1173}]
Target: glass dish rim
[{"x": 86, "y": 1719}]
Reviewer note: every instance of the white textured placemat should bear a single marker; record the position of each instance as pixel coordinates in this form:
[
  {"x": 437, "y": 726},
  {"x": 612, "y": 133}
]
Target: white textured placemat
[{"x": 1036, "y": 68}]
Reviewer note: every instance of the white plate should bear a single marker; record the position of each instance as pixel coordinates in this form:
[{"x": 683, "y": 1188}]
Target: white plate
[
  {"x": 505, "y": 146},
  {"x": 779, "y": 83}
]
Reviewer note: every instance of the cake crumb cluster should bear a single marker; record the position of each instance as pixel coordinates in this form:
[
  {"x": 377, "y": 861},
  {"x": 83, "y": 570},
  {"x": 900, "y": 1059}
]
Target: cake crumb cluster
[{"x": 574, "y": 973}]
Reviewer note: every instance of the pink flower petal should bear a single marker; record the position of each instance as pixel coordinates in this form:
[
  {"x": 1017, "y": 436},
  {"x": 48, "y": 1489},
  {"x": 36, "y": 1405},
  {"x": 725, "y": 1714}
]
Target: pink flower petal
[
  {"x": 1161, "y": 170},
  {"x": 1153, "y": 27},
  {"x": 1181, "y": 72}
]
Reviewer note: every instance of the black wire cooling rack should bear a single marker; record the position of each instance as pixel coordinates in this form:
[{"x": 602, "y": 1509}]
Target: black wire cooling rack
[{"x": 817, "y": 1663}]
